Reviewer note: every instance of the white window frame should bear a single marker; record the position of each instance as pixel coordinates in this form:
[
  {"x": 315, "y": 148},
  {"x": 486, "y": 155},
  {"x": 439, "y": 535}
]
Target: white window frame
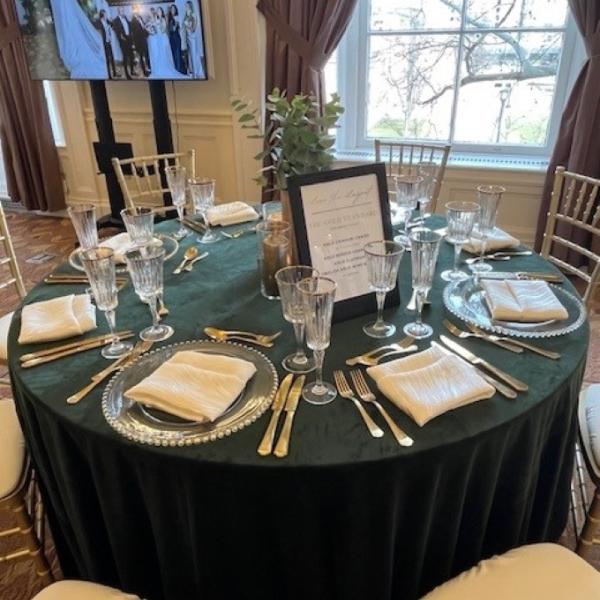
[
  {"x": 54, "y": 113},
  {"x": 352, "y": 81}
]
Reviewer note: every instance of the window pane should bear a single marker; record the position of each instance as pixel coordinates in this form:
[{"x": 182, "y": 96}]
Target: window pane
[
  {"x": 411, "y": 80},
  {"x": 394, "y": 15},
  {"x": 331, "y": 73},
  {"x": 507, "y": 86},
  {"x": 516, "y": 13}
]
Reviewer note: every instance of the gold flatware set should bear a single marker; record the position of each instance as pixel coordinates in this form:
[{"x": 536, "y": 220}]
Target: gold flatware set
[
  {"x": 77, "y": 279},
  {"x": 194, "y": 225},
  {"x": 286, "y": 400},
  {"x": 41, "y": 357},
  {"x": 500, "y": 255},
  {"x": 224, "y": 335},
  {"x": 373, "y": 357}
]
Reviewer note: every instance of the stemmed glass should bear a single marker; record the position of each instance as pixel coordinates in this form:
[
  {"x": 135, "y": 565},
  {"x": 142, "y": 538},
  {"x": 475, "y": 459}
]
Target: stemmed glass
[
  {"x": 203, "y": 198},
  {"x": 318, "y": 295},
  {"x": 139, "y": 222},
  {"x": 425, "y": 245},
  {"x": 145, "y": 266},
  {"x": 177, "y": 179},
  {"x": 99, "y": 266},
  {"x": 83, "y": 217},
  {"x": 293, "y": 311},
  {"x": 461, "y": 219},
  {"x": 488, "y": 198},
  {"x": 428, "y": 171},
  {"x": 407, "y": 194},
  {"x": 383, "y": 260}
]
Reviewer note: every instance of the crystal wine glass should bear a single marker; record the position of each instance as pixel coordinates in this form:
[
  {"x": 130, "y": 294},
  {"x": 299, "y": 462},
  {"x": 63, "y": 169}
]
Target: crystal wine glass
[
  {"x": 139, "y": 222},
  {"x": 99, "y": 266},
  {"x": 293, "y": 311},
  {"x": 425, "y": 245},
  {"x": 428, "y": 171},
  {"x": 383, "y": 260},
  {"x": 145, "y": 266},
  {"x": 407, "y": 194},
  {"x": 318, "y": 295},
  {"x": 203, "y": 198},
  {"x": 83, "y": 217},
  {"x": 461, "y": 219},
  {"x": 177, "y": 179},
  {"x": 488, "y": 198}
]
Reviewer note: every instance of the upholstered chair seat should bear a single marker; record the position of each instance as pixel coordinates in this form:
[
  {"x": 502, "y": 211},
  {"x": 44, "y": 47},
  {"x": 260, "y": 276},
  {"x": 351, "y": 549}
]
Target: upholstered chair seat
[
  {"x": 81, "y": 590},
  {"x": 545, "y": 571}
]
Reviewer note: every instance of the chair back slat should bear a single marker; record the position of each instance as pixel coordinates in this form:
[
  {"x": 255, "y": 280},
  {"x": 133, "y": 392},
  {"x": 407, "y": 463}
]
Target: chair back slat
[
  {"x": 9, "y": 259},
  {"x": 140, "y": 177},
  {"x": 404, "y": 159},
  {"x": 573, "y": 202}
]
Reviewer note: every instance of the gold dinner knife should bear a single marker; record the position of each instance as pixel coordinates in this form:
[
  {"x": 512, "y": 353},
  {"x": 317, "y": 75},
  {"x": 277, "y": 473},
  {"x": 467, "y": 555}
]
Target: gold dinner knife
[
  {"x": 475, "y": 360},
  {"x": 266, "y": 445},
  {"x": 283, "y": 443}
]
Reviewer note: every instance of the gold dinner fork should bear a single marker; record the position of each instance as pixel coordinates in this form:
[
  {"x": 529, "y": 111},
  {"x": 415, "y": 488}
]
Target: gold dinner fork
[
  {"x": 365, "y": 393},
  {"x": 459, "y": 333},
  {"x": 346, "y": 392}
]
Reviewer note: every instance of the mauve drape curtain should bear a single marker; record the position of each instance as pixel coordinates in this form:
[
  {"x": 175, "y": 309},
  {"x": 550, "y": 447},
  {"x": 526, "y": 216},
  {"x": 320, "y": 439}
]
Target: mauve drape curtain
[
  {"x": 301, "y": 37},
  {"x": 578, "y": 144},
  {"x": 31, "y": 159}
]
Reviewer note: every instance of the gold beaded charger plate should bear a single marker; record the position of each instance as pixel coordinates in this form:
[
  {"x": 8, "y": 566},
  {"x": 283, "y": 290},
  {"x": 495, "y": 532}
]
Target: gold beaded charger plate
[
  {"x": 466, "y": 301},
  {"x": 151, "y": 426},
  {"x": 170, "y": 244}
]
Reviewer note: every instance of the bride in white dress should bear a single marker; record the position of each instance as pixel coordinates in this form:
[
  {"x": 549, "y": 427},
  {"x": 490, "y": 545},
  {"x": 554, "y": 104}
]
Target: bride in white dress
[
  {"x": 159, "y": 49},
  {"x": 79, "y": 42}
]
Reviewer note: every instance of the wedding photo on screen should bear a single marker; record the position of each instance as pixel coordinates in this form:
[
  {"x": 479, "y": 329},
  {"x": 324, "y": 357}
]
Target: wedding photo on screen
[{"x": 113, "y": 39}]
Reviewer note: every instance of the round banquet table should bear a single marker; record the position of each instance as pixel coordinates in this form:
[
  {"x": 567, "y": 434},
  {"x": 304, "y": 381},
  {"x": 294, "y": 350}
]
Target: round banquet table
[{"x": 345, "y": 515}]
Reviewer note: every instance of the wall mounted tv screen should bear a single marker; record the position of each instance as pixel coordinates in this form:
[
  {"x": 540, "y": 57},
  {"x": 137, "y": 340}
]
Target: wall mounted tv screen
[{"x": 113, "y": 39}]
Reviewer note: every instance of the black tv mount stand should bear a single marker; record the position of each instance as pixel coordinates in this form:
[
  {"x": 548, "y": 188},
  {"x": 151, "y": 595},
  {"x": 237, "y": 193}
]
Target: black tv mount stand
[{"x": 107, "y": 147}]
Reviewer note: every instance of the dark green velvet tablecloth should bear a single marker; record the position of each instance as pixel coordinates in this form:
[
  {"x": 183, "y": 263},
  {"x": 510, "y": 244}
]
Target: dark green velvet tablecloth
[{"x": 345, "y": 515}]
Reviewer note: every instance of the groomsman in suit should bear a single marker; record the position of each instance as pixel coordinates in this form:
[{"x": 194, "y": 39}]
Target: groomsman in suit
[
  {"x": 140, "y": 35},
  {"x": 105, "y": 29},
  {"x": 122, "y": 27}
]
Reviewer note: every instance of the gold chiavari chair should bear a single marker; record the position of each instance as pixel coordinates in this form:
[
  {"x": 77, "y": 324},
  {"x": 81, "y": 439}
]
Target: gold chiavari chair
[
  {"x": 140, "y": 177},
  {"x": 574, "y": 202},
  {"x": 403, "y": 158}
]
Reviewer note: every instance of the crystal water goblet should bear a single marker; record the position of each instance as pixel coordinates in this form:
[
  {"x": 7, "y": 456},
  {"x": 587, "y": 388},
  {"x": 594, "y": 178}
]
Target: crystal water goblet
[
  {"x": 177, "y": 180},
  {"x": 488, "y": 198},
  {"x": 99, "y": 266},
  {"x": 428, "y": 171},
  {"x": 145, "y": 266},
  {"x": 293, "y": 312},
  {"x": 425, "y": 246},
  {"x": 139, "y": 222},
  {"x": 83, "y": 218},
  {"x": 407, "y": 195},
  {"x": 383, "y": 260},
  {"x": 461, "y": 218},
  {"x": 318, "y": 296},
  {"x": 203, "y": 198}
]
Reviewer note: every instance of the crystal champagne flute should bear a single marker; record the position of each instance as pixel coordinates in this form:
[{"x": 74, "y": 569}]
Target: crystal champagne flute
[
  {"x": 83, "y": 217},
  {"x": 383, "y": 260},
  {"x": 407, "y": 195},
  {"x": 99, "y": 266},
  {"x": 488, "y": 198},
  {"x": 428, "y": 172},
  {"x": 425, "y": 245},
  {"x": 318, "y": 295},
  {"x": 203, "y": 198},
  {"x": 177, "y": 180},
  {"x": 293, "y": 312},
  {"x": 461, "y": 219},
  {"x": 145, "y": 266}
]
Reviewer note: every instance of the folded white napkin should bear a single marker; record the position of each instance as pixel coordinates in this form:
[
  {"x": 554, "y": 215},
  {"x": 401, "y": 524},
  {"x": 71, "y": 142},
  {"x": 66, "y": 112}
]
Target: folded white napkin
[
  {"x": 231, "y": 214},
  {"x": 427, "y": 384},
  {"x": 193, "y": 385},
  {"x": 525, "y": 301},
  {"x": 497, "y": 240},
  {"x": 57, "y": 319},
  {"x": 119, "y": 244}
]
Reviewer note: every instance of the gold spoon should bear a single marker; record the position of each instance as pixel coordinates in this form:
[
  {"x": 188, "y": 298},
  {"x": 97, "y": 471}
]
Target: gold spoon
[{"x": 190, "y": 254}]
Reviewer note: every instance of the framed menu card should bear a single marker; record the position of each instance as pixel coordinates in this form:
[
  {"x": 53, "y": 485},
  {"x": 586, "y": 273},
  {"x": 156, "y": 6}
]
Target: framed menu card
[{"x": 336, "y": 213}]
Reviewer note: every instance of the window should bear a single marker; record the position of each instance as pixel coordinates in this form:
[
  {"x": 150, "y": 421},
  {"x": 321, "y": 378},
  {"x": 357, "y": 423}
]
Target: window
[
  {"x": 54, "y": 114},
  {"x": 488, "y": 76}
]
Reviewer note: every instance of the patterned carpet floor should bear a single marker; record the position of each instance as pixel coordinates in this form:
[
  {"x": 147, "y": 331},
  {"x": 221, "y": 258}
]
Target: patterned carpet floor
[{"x": 43, "y": 243}]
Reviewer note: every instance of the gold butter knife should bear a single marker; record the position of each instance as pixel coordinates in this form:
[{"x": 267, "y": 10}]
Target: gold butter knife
[
  {"x": 266, "y": 445},
  {"x": 79, "y": 343},
  {"x": 283, "y": 443}
]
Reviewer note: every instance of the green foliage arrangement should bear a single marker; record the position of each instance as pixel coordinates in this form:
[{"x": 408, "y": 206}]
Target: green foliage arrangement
[{"x": 296, "y": 137}]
